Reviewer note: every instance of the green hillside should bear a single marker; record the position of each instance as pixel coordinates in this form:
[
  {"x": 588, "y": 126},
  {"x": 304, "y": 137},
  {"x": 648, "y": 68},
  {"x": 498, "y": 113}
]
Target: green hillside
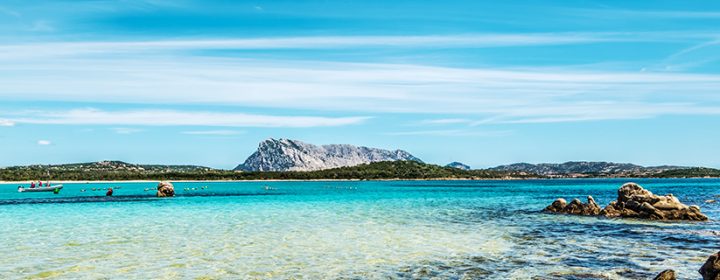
[{"x": 125, "y": 171}]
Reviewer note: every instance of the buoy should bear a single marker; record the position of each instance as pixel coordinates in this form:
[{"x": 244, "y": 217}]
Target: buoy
[
  {"x": 56, "y": 191},
  {"x": 82, "y": 190}
]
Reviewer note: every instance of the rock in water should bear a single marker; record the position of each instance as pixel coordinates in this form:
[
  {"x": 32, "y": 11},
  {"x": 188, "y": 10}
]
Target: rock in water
[
  {"x": 165, "y": 189},
  {"x": 591, "y": 208},
  {"x": 711, "y": 269},
  {"x": 293, "y": 155},
  {"x": 633, "y": 201},
  {"x": 668, "y": 274},
  {"x": 636, "y": 202}
]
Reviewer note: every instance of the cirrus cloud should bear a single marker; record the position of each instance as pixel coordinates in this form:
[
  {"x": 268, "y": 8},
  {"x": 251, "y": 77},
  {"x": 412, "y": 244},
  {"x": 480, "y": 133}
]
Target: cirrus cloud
[
  {"x": 180, "y": 118},
  {"x": 6, "y": 123}
]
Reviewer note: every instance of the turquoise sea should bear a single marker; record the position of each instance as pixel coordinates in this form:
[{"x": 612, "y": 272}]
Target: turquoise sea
[{"x": 347, "y": 230}]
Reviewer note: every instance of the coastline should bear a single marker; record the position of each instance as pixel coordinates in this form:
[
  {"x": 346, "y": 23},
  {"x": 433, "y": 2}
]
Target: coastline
[
  {"x": 345, "y": 180},
  {"x": 268, "y": 180}
]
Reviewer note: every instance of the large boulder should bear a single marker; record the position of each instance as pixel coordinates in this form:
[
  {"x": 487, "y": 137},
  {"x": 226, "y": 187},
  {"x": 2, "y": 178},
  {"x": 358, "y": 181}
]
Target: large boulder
[
  {"x": 636, "y": 202},
  {"x": 711, "y": 269},
  {"x": 575, "y": 207},
  {"x": 165, "y": 189},
  {"x": 633, "y": 201}
]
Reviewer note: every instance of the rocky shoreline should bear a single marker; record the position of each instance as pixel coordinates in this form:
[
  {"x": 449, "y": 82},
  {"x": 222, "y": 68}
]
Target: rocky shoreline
[{"x": 633, "y": 201}]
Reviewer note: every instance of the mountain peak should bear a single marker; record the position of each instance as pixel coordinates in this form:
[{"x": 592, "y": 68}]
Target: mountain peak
[
  {"x": 458, "y": 165},
  {"x": 293, "y": 155}
]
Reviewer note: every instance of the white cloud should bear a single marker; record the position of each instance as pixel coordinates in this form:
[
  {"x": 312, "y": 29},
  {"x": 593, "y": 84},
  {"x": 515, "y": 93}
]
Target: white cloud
[
  {"x": 6, "y": 123},
  {"x": 446, "y": 121},
  {"x": 179, "y": 118},
  {"x": 128, "y": 72},
  {"x": 214, "y": 132},
  {"x": 451, "y": 132},
  {"x": 478, "y": 40},
  {"x": 42, "y": 50},
  {"x": 43, "y": 142},
  {"x": 126, "y": 130},
  {"x": 485, "y": 94}
]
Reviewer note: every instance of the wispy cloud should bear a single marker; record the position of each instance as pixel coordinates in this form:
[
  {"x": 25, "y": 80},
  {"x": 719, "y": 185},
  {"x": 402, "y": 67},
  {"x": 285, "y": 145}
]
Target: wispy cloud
[
  {"x": 43, "y": 142},
  {"x": 178, "y": 118},
  {"x": 6, "y": 123},
  {"x": 446, "y": 121},
  {"x": 214, "y": 132},
  {"x": 126, "y": 130},
  {"x": 55, "y": 49},
  {"x": 487, "y": 94},
  {"x": 451, "y": 132},
  {"x": 645, "y": 14}
]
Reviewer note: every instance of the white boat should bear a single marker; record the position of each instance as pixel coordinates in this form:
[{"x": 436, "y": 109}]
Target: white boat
[{"x": 41, "y": 189}]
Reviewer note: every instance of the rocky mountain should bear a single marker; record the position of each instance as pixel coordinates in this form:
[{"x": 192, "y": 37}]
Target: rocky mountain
[
  {"x": 579, "y": 168},
  {"x": 292, "y": 155},
  {"x": 458, "y": 165}
]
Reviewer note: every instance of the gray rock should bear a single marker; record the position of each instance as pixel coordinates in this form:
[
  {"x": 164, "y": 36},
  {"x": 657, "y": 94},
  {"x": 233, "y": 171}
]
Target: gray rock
[{"x": 293, "y": 155}]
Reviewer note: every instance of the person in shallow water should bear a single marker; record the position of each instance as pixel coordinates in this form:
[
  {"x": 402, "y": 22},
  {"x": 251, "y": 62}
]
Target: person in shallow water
[
  {"x": 32, "y": 185},
  {"x": 109, "y": 192}
]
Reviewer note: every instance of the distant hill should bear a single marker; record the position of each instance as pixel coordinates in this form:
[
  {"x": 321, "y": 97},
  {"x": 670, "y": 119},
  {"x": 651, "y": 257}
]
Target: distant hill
[
  {"x": 586, "y": 168},
  {"x": 695, "y": 172},
  {"x": 401, "y": 169},
  {"x": 102, "y": 170},
  {"x": 458, "y": 165},
  {"x": 118, "y": 166},
  {"x": 292, "y": 155},
  {"x": 125, "y": 171}
]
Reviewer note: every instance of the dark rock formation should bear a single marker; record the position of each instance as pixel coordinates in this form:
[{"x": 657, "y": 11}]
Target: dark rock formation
[
  {"x": 576, "y": 207},
  {"x": 668, "y": 274},
  {"x": 711, "y": 269},
  {"x": 633, "y": 202},
  {"x": 165, "y": 189}
]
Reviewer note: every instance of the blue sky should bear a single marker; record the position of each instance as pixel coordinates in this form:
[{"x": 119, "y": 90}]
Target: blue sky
[{"x": 481, "y": 82}]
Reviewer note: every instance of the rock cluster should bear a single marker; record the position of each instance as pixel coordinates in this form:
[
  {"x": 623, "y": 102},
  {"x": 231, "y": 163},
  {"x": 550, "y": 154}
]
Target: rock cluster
[
  {"x": 576, "y": 207},
  {"x": 633, "y": 202},
  {"x": 165, "y": 189},
  {"x": 711, "y": 269}
]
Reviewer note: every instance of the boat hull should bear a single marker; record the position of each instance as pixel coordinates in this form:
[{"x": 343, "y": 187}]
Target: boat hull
[{"x": 41, "y": 189}]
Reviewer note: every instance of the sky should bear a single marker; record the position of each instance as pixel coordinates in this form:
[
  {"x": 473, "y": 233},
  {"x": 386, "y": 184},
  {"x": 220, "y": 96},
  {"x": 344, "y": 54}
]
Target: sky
[{"x": 480, "y": 82}]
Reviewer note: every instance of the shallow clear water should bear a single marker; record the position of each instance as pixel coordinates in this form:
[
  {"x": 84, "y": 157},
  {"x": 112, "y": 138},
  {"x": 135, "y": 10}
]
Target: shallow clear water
[{"x": 346, "y": 230}]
